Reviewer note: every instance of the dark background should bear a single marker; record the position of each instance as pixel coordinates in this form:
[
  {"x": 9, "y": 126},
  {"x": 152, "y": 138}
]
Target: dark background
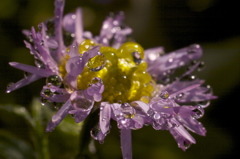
[{"x": 169, "y": 23}]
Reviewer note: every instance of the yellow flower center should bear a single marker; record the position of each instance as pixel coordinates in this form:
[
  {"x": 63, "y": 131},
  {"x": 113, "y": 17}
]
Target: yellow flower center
[{"x": 124, "y": 74}]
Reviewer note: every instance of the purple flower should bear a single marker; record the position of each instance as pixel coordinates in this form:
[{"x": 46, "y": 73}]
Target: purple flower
[{"x": 118, "y": 78}]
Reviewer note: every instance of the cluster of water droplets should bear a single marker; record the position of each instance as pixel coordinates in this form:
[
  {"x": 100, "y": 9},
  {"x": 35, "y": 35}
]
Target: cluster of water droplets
[{"x": 55, "y": 81}]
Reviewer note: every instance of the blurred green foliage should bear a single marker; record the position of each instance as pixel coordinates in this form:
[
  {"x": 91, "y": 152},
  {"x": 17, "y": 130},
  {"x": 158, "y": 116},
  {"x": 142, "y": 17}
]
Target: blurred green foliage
[{"x": 169, "y": 23}]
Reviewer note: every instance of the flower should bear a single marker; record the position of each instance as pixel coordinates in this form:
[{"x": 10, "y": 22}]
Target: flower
[{"x": 115, "y": 76}]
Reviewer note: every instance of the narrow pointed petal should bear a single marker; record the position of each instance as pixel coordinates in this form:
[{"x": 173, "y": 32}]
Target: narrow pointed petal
[
  {"x": 181, "y": 131},
  {"x": 185, "y": 90},
  {"x": 23, "y": 82},
  {"x": 58, "y": 13},
  {"x": 32, "y": 69},
  {"x": 126, "y": 143},
  {"x": 59, "y": 116},
  {"x": 79, "y": 26},
  {"x": 104, "y": 118}
]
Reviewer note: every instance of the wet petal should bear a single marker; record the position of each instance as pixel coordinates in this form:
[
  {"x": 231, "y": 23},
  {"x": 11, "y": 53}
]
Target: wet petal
[
  {"x": 32, "y": 69},
  {"x": 25, "y": 81},
  {"x": 126, "y": 143},
  {"x": 61, "y": 114},
  {"x": 105, "y": 116}
]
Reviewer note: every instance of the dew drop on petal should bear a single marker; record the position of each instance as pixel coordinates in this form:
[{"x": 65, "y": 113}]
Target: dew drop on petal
[
  {"x": 39, "y": 63},
  {"x": 40, "y": 27},
  {"x": 9, "y": 85},
  {"x": 96, "y": 63},
  {"x": 137, "y": 58},
  {"x": 25, "y": 74},
  {"x": 54, "y": 80},
  {"x": 192, "y": 49},
  {"x": 201, "y": 66},
  {"x": 79, "y": 101},
  {"x": 48, "y": 92},
  {"x": 198, "y": 112},
  {"x": 170, "y": 60},
  {"x": 42, "y": 43},
  {"x": 128, "y": 111},
  {"x": 56, "y": 118},
  {"x": 94, "y": 132},
  {"x": 150, "y": 112},
  {"x": 44, "y": 101},
  {"x": 56, "y": 105},
  {"x": 186, "y": 144},
  {"x": 179, "y": 96},
  {"x": 164, "y": 95},
  {"x": 156, "y": 116}
]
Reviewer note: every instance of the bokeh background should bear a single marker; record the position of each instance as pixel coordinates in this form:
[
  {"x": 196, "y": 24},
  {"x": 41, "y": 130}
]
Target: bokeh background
[{"x": 169, "y": 23}]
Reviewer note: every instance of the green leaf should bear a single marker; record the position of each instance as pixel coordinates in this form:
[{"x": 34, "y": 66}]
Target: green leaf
[
  {"x": 20, "y": 111},
  {"x": 12, "y": 147}
]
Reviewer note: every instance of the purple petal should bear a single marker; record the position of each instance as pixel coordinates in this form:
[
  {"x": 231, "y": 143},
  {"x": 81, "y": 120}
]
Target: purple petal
[
  {"x": 61, "y": 114},
  {"x": 25, "y": 81},
  {"x": 69, "y": 22},
  {"x": 126, "y": 143},
  {"x": 105, "y": 116},
  {"x": 174, "y": 60},
  {"x": 58, "y": 13},
  {"x": 32, "y": 69},
  {"x": 75, "y": 65},
  {"x": 181, "y": 131},
  {"x": 39, "y": 45},
  {"x": 79, "y": 26},
  {"x": 185, "y": 90},
  {"x": 145, "y": 107},
  {"x": 193, "y": 125},
  {"x": 79, "y": 114},
  {"x": 152, "y": 54}
]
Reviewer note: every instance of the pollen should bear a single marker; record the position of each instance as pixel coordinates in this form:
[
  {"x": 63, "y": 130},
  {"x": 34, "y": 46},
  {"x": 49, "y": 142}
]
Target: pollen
[{"x": 123, "y": 72}]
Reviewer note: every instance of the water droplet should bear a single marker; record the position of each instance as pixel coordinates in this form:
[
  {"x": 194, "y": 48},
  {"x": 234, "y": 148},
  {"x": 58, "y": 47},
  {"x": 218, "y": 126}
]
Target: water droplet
[
  {"x": 179, "y": 96},
  {"x": 57, "y": 106},
  {"x": 30, "y": 37},
  {"x": 56, "y": 118},
  {"x": 170, "y": 60},
  {"x": 96, "y": 63},
  {"x": 44, "y": 101},
  {"x": 25, "y": 74},
  {"x": 164, "y": 95},
  {"x": 9, "y": 85},
  {"x": 156, "y": 116},
  {"x": 137, "y": 58},
  {"x": 208, "y": 88},
  {"x": 54, "y": 80},
  {"x": 186, "y": 144},
  {"x": 201, "y": 66},
  {"x": 42, "y": 43},
  {"x": 192, "y": 49},
  {"x": 198, "y": 112},
  {"x": 79, "y": 101},
  {"x": 50, "y": 27},
  {"x": 39, "y": 63},
  {"x": 94, "y": 132},
  {"x": 192, "y": 77},
  {"x": 128, "y": 111},
  {"x": 48, "y": 92},
  {"x": 40, "y": 27},
  {"x": 189, "y": 78},
  {"x": 204, "y": 104},
  {"x": 150, "y": 112}
]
